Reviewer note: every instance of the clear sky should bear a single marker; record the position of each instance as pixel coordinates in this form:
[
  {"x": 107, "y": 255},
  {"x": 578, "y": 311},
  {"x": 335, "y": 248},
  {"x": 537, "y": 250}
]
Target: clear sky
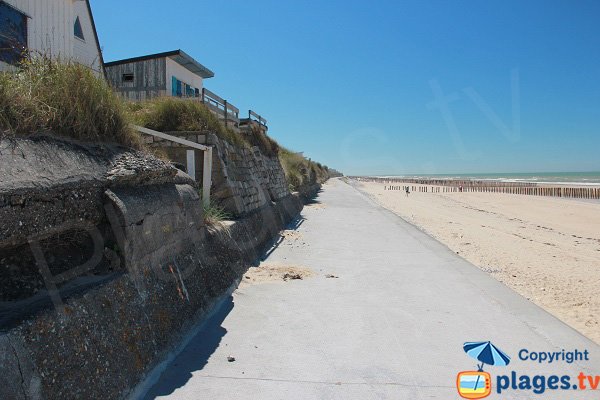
[{"x": 393, "y": 87}]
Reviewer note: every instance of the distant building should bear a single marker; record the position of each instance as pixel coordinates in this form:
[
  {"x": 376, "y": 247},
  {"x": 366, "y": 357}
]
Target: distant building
[
  {"x": 61, "y": 29},
  {"x": 173, "y": 73}
]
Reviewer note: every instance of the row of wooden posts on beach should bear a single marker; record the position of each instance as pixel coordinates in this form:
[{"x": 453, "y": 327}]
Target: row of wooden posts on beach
[
  {"x": 582, "y": 193},
  {"x": 448, "y": 186}
]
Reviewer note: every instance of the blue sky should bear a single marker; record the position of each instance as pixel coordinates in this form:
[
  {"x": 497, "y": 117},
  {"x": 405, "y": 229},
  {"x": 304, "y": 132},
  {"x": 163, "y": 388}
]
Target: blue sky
[{"x": 393, "y": 87}]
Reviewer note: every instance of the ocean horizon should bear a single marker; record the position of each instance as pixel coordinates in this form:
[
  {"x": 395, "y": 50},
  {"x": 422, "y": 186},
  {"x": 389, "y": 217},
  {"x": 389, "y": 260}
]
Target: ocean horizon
[{"x": 565, "y": 178}]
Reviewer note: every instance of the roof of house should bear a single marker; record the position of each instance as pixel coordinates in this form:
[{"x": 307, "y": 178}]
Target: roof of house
[
  {"x": 179, "y": 56},
  {"x": 89, "y": 7}
]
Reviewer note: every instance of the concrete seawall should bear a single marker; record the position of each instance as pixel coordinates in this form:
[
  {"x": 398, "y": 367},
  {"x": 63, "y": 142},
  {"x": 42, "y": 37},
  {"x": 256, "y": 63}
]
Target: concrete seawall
[{"x": 166, "y": 271}]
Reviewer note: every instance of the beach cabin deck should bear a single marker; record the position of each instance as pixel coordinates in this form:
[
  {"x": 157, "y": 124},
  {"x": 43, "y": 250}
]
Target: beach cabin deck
[{"x": 177, "y": 74}]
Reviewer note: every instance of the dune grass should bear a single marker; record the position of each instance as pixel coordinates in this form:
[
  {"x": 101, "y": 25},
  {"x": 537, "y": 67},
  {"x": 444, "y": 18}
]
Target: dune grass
[
  {"x": 64, "y": 98},
  {"x": 166, "y": 114},
  {"x": 68, "y": 99},
  {"x": 299, "y": 171},
  {"x": 256, "y": 137}
]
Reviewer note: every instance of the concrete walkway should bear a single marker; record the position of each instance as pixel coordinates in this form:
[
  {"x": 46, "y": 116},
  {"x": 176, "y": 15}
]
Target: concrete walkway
[{"x": 390, "y": 327}]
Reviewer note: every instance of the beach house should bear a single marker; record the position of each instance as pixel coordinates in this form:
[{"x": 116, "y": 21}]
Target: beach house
[
  {"x": 61, "y": 29},
  {"x": 172, "y": 73}
]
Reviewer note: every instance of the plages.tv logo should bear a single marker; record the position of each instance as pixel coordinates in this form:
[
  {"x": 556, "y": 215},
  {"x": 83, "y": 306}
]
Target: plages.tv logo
[{"x": 478, "y": 384}]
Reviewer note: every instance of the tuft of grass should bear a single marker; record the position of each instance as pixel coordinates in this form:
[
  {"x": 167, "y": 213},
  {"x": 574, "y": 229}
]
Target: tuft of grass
[
  {"x": 214, "y": 214},
  {"x": 166, "y": 114},
  {"x": 64, "y": 98}
]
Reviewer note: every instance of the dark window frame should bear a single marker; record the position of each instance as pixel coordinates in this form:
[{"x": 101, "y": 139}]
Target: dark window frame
[
  {"x": 12, "y": 47},
  {"x": 127, "y": 77},
  {"x": 78, "y": 29}
]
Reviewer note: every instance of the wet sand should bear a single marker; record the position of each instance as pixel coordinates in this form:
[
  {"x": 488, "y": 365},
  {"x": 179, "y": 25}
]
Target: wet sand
[{"x": 547, "y": 249}]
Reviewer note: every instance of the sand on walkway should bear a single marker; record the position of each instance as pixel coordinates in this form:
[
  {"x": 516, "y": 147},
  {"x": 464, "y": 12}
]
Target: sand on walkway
[{"x": 547, "y": 249}]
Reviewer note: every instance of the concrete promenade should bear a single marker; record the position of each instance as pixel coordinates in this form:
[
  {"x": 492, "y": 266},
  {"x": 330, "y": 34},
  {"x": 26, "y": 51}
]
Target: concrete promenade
[{"x": 390, "y": 326}]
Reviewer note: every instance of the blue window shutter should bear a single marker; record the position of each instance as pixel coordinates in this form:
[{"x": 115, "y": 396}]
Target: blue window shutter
[{"x": 174, "y": 86}]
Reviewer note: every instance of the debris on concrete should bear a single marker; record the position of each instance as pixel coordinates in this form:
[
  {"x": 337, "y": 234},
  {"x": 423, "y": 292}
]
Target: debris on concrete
[{"x": 265, "y": 273}]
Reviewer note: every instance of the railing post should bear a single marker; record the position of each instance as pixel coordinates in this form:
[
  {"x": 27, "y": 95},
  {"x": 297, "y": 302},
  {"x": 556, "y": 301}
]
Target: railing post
[
  {"x": 191, "y": 163},
  {"x": 207, "y": 176}
]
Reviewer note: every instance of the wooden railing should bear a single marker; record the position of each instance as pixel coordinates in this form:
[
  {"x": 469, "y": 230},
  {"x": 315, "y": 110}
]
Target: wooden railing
[
  {"x": 256, "y": 118},
  {"x": 220, "y": 107},
  {"x": 191, "y": 158}
]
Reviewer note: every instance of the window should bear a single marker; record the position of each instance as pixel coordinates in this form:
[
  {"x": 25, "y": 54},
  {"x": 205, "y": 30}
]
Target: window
[
  {"x": 176, "y": 88},
  {"x": 78, "y": 30},
  {"x": 189, "y": 91},
  {"x": 13, "y": 34},
  {"x": 182, "y": 89},
  {"x": 127, "y": 78}
]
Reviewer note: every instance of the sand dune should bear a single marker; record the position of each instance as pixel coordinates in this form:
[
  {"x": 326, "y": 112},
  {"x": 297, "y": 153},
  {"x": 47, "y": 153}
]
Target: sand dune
[{"x": 547, "y": 249}]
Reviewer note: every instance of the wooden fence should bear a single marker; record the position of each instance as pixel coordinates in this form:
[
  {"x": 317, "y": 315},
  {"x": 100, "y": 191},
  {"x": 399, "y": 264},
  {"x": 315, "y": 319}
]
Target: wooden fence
[
  {"x": 451, "y": 186},
  {"x": 256, "y": 118},
  {"x": 191, "y": 158},
  {"x": 224, "y": 110}
]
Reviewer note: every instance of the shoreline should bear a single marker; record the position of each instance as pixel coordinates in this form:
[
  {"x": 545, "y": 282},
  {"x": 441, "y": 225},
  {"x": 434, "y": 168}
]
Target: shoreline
[
  {"x": 528, "y": 179},
  {"x": 544, "y": 250},
  {"x": 486, "y": 182}
]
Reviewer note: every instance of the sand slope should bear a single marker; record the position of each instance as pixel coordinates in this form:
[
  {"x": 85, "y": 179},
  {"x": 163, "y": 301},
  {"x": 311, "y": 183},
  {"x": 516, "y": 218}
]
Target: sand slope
[{"x": 547, "y": 249}]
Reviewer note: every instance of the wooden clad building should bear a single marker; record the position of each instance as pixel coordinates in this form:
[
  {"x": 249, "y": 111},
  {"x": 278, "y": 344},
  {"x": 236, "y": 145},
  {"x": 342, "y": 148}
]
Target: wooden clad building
[
  {"x": 62, "y": 29},
  {"x": 173, "y": 73}
]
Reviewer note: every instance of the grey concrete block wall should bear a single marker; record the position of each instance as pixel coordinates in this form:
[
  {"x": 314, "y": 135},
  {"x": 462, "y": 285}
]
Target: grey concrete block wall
[{"x": 243, "y": 179}]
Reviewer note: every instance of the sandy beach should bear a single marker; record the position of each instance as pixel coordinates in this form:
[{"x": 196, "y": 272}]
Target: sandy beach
[{"x": 547, "y": 249}]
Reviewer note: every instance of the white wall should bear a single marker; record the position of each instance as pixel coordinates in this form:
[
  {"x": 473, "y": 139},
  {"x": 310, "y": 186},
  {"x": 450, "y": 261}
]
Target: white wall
[
  {"x": 50, "y": 30},
  {"x": 85, "y": 51},
  {"x": 184, "y": 75}
]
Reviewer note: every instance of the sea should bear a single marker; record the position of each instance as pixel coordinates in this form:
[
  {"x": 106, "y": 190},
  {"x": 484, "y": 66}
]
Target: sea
[{"x": 562, "y": 178}]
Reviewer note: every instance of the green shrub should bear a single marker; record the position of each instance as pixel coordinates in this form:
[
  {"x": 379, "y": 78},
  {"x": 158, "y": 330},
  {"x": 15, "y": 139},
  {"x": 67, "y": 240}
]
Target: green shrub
[
  {"x": 267, "y": 146},
  {"x": 215, "y": 217},
  {"x": 293, "y": 167},
  {"x": 165, "y": 114},
  {"x": 300, "y": 171},
  {"x": 67, "y": 99}
]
